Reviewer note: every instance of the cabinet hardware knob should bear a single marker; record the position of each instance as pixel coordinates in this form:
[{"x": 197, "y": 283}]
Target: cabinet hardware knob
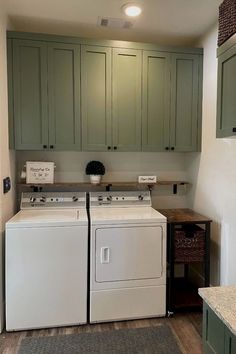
[
  {"x": 45, "y": 146},
  {"x": 167, "y": 148},
  {"x": 115, "y": 147},
  {"x": 109, "y": 148},
  {"x": 172, "y": 148},
  {"x": 51, "y": 146},
  {"x": 234, "y": 130}
]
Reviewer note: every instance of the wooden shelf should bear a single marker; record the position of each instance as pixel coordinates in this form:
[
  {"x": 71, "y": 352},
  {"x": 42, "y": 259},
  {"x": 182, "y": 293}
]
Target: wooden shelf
[
  {"x": 108, "y": 184},
  {"x": 105, "y": 183}
]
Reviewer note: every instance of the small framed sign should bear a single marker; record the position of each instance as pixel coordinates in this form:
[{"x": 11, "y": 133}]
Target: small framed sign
[{"x": 39, "y": 172}]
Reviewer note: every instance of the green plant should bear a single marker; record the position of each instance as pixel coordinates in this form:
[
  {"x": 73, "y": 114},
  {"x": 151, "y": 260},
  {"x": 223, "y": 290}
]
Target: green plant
[{"x": 95, "y": 168}]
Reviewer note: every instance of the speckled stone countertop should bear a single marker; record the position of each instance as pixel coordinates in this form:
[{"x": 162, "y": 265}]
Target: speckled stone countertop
[{"x": 222, "y": 300}]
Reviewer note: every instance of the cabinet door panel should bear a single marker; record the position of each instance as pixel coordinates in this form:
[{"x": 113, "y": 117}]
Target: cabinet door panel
[
  {"x": 64, "y": 96},
  {"x": 96, "y": 98},
  {"x": 213, "y": 332},
  {"x": 156, "y": 101},
  {"x": 226, "y": 103},
  {"x": 30, "y": 94},
  {"x": 126, "y": 99},
  {"x": 230, "y": 342},
  {"x": 184, "y": 102}
]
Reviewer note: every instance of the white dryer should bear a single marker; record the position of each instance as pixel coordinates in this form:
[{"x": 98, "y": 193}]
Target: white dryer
[
  {"x": 127, "y": 257},
  {"x": 46, "y": 262}
]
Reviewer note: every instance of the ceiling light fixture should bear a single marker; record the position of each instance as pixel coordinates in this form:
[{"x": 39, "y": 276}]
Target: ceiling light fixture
[{"x": 131, "y": 9}]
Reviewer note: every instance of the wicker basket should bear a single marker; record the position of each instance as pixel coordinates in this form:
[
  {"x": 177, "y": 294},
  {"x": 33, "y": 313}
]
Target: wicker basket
[
  {"x": 189, "y": 244},
  {"x": 227, "y": 20}
]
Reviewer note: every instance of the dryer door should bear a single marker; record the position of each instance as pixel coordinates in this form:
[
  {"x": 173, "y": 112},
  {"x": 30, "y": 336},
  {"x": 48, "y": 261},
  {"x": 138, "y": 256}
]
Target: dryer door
[{"x": 129, "y": 253}]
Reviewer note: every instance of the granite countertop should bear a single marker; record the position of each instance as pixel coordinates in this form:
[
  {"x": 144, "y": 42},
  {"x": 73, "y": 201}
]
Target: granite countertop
[{"x": 222, "y": 300}]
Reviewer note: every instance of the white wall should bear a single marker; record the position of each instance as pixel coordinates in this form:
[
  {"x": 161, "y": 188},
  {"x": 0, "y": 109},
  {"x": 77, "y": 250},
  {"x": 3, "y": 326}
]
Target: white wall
[
  {"x": 120, "y": 166},
  {"x": 213, "y": 174},
  {"x": 7, "y": 158}
]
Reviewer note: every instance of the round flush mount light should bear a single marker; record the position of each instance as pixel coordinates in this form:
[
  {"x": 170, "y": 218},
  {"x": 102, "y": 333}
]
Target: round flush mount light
[{"x": 131, "y": 9}]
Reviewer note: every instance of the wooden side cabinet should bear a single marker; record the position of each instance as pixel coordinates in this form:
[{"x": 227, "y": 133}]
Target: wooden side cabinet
[
  {"x": 181, "y": 292},
  {"x": 217, "y": 338}
]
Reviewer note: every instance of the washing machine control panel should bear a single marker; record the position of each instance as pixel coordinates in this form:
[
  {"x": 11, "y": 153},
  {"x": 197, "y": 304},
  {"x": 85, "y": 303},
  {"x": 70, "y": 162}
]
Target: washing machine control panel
[
  {"x": 53, "y": 200},
  {"x": 120, "y": 199}
]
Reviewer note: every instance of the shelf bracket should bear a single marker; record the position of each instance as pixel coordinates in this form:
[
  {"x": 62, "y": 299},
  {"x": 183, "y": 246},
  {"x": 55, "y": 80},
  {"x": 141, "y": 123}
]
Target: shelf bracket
[
  {"x": 175, "y": 188},
  {"x": 108, "y": 187}
]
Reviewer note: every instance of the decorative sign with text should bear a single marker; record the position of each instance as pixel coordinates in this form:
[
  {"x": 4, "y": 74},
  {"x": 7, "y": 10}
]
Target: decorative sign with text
[{"x": 39, "y": 172}]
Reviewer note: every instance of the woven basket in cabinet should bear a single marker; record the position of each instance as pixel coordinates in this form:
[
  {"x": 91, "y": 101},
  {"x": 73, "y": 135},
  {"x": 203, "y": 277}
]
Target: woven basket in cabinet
[
  {"x": 227, "y": 20},
  {"x": 189, "y": 244}
]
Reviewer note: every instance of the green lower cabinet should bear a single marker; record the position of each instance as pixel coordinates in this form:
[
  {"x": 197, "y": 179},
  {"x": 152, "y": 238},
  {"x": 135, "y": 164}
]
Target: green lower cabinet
[
  {"x": 217, "y": 338},
  {"x": 230, "y": 342}
]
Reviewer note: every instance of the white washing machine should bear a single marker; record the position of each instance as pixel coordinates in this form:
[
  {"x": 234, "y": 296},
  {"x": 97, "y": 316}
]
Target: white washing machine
[
  {"x": 46, "y": 262},
  {"x": 127, "y": 257}
]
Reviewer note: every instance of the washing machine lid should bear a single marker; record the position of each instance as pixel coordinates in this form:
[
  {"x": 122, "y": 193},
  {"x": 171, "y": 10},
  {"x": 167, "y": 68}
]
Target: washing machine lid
[
  {"x": 137, "y": 215},
  {"x": 45, "y": 218}
]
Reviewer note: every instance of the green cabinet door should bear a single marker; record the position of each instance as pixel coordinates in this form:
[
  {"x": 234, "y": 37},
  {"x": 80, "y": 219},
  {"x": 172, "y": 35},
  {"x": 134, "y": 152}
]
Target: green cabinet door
[
  {"x": 156, "y": 101},
  {"x": 64, "y": 96},
  {"x": 184, "y": 102},
  {"x": 126, "y": 99},
  {"x": 226, "y": 88},
  {"x": 96, "y": 98},
  {"x": 230, "y": 342},
  {"x": 213, "y": 332},
  {"x": 30, "y": 94}
]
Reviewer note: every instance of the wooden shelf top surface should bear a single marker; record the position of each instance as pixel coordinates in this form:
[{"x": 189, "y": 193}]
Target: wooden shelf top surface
[
  {"x": 105, "y": 183},
  {"x": 183, "y": 216}
]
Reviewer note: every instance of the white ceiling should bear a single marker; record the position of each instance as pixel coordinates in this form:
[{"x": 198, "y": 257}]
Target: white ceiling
[{"x": 175, "y": 22}]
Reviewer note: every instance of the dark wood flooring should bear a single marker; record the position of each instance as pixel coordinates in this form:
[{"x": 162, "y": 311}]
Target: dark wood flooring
[{"x": 185, "y": 326}]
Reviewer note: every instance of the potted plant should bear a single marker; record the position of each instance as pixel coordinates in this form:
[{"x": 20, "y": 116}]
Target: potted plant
[{"x": 95, "y": 169}]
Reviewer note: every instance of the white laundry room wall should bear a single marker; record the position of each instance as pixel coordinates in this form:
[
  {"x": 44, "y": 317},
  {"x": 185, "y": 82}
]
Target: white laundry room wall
[
  {"x": 7, "y": 157},
  {"x": 213, "y": 175}
]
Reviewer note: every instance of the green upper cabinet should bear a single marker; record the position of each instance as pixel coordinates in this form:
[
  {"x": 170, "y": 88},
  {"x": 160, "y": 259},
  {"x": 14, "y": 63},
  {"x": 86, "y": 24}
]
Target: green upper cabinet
[
  {"x": 171, "y": 97},
  {"x": 126, "y": 99},
  {"x": 226, "y": 86},
  {"x": 46, "y": 94},
  {"x": 67, "y": 92},
  {"x": 156, "y": 101},
  {"x": 96, "y": 98},
  {"x": 184, "y": 102},
  {"x": 111, "y": 99},
  {"x": 30, "y": 94},
  {"x": 64, "y": 96}
]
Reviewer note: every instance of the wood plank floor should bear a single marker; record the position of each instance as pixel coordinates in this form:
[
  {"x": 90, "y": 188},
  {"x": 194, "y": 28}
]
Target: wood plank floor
[{"x": 185, "y": 326}]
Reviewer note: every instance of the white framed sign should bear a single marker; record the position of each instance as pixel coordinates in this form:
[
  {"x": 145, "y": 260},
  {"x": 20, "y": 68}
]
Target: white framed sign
[{"x": 39, "y": 172}]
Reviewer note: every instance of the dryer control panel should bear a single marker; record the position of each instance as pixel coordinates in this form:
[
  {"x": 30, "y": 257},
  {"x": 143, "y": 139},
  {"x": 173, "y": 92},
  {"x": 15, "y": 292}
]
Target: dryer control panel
[{"x": 120, "y": 199}]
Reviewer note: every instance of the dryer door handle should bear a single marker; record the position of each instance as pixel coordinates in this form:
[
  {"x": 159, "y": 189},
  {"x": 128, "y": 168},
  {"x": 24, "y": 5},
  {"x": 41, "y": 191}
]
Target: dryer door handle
[{"x": 105, "y": 255}]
